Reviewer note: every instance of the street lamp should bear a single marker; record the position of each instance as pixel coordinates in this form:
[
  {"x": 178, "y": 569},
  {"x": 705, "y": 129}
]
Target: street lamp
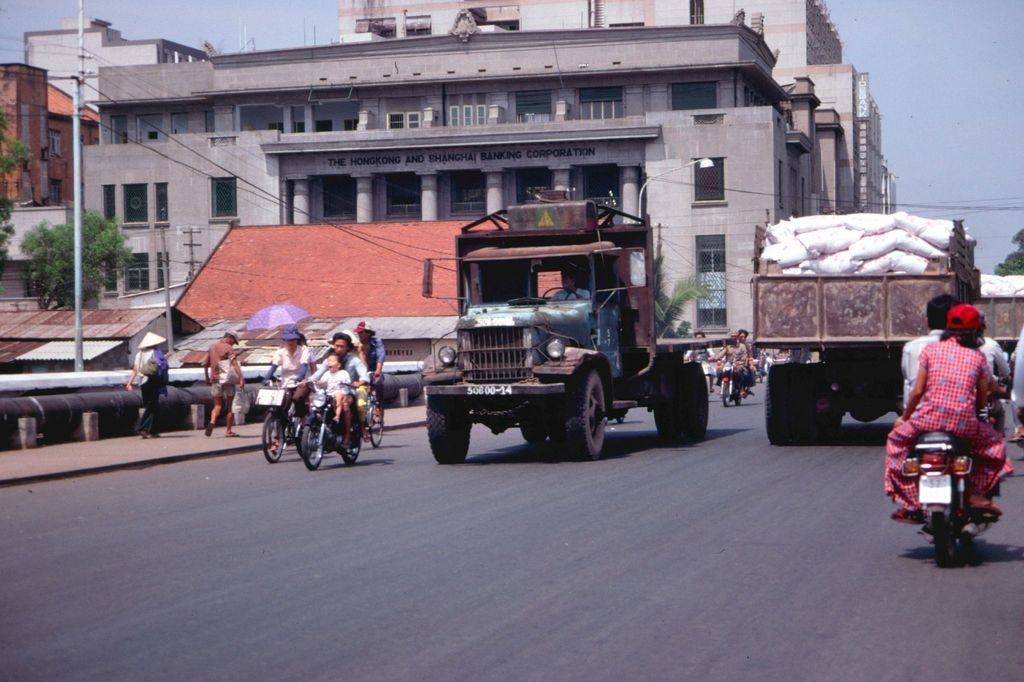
[{"x": 700, "y": 163}]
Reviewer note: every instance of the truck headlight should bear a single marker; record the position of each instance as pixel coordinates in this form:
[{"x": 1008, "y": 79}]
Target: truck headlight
[
  {"x": 555, "y": 349},
  {"x": 446, "y": 354}
]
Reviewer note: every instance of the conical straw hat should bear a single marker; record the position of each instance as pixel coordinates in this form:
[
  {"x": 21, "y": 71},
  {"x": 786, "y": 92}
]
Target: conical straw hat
[{"x": 150, "y": 340}]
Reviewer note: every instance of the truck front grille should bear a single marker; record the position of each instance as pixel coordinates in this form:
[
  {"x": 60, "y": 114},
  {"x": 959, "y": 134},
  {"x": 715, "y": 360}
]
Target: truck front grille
[{"x": 494, "y": 354}]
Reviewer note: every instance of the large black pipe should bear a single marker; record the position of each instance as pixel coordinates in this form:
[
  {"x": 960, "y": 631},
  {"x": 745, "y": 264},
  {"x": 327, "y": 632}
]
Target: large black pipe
[{"x": 58, "y": 417}]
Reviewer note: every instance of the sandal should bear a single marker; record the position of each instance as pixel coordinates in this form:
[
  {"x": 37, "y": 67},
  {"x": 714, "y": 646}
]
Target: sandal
[
  {"x": 231, "y": 434},
  {"x": 914, "y": 516},
  {"x": 209, "y": 429}
]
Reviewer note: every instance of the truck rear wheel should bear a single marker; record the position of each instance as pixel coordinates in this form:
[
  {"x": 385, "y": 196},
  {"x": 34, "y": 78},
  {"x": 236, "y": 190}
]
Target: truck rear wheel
[
  {"x": 776, "y": 414},
  {"x": 448, "y": 428},
  {"x": 584, "y": 426},
  {"x": 693, "y": 391}
]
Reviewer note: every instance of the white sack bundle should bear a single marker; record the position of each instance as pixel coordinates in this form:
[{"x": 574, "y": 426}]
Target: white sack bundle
[
  {"x": 918, "y": 246},
  {"x": 829, "y": 240},
  {"x": 780, "y": 232},
  {"x": 908, "y": 262},
  {"x": 994, "y": 285},
  {"x": 875, "y": 245},
  {"x": 785, "y": 253},
  {"x": 809, "y": 223},
  {"x": 938, "y": 233},
  {"x": 876, "y": 266},
  {"x": 910, "y": 223},
  {"x": 835, "y": 264},
  {"x": 870, "y": 223}
]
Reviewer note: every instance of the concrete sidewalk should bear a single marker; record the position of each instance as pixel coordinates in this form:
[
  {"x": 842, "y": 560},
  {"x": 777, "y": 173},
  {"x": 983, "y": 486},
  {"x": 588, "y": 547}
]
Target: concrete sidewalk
[{"x": 67, "y": 460}]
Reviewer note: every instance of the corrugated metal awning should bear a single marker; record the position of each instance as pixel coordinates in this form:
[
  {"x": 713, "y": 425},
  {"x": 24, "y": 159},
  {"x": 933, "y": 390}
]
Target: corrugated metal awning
[{"x": 65, "y": 350}]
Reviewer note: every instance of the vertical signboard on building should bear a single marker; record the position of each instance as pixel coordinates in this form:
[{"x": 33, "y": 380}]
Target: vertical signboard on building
[{"x": 863, "y": 110}]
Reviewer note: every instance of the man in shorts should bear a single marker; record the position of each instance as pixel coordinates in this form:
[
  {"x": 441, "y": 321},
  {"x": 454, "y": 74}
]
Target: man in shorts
[{"x": 223, "y": 373}]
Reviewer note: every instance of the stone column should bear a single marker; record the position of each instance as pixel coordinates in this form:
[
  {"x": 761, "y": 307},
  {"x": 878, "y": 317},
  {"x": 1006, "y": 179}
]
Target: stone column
[
  {"x": 495, "y": 191},
  {"x": 630, "y": 189},
  {"x": 428, "y": 196},
  {"x": 300, "y": 200},
  {"x": 364, "y": 199},
  {"x": 560, "y": 178}
]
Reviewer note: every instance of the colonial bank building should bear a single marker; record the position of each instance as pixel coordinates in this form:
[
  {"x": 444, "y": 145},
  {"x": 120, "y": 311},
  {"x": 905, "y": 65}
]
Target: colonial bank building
[{"x": 450, "y": 127}]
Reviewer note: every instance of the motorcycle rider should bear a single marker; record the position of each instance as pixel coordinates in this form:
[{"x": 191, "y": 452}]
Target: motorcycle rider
[
  {"x": 951, "y": 386},
  {"x": 356, "y": 369},
  {"x": 737, "y": 353},
  {"x": 935, "y": 312}
]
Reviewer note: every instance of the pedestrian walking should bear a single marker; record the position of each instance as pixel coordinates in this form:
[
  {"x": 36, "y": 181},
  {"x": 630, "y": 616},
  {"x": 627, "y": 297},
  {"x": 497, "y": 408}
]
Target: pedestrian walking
[
  {"x": 223, "y": 374},
  {"x": 151, "y": 364}
]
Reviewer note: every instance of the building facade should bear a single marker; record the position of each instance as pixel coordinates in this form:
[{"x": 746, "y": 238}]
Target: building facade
[{"x": 450, "y": 127}]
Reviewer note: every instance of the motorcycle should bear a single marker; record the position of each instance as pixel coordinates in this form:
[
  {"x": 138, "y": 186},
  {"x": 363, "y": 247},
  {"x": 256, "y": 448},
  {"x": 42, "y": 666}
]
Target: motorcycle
[
  {"x": 732, "y": 385},
  {"x": 322, "y": 433},
  {"x": 941, "y": 462}
]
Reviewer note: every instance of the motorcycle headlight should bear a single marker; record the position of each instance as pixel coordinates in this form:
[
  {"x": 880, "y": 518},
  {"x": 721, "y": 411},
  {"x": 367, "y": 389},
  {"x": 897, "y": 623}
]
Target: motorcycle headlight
[
  {"x": 446, "y": 354},
  {"x": 555, "y": 349},
  {"x": 319, "y": 400}
]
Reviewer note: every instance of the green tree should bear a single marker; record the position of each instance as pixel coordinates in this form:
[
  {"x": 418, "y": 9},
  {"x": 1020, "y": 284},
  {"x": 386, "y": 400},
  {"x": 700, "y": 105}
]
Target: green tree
[
  {"x": 12, "y": 152},
  {"x": 51, "y": 267},
  {"x": 1014, "y": 263},
  {"x": 668, "y": 307}
]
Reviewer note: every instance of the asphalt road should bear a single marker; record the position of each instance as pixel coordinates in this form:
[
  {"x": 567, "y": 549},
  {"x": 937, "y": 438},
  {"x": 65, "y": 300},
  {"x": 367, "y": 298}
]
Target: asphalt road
[{"x": 723, "y": 560}]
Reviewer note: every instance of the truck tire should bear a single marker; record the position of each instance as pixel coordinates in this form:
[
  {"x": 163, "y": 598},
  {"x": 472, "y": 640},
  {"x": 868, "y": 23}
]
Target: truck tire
[
  {"x": 534, "y": 432},
  {"x": 584, "y": 408},
  {"x": 693, "y": 391},
  {"x": 803, "y": 417},
  {"x": 776, "y": 413},
  {"x": 448, "y": 428}
]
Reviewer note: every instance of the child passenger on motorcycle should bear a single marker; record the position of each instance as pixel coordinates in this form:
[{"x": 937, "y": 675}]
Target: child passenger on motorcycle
[
  {"x": 335, "y": 380},
  {"x": 952, "y": 384}
]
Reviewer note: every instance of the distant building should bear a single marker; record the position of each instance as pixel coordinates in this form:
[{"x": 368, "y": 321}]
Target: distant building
[{"x": 57, "y": 52}]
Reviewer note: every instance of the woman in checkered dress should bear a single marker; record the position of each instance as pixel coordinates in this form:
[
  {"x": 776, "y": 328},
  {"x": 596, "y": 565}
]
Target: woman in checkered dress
[{"x": 952, "y": 385}]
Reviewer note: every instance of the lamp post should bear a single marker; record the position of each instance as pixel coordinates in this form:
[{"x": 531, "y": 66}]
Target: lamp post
[{"x": 700, "y": 163}]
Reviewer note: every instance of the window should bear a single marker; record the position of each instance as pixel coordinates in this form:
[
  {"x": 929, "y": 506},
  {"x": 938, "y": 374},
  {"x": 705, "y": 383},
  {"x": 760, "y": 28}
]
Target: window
[
  {"x": 54, "y": 142},
  {"x": 469, "y": 192},
  {"x": 709, "y": 183},
  {"x": 403, "y": 190},
  {"x": 161, "y": 202},
  {"x": 223, "y": 193},
  {"x": 601, "y": 103},
  {"x": 529, "y": 181},
  {"x": 694, "y": 96},
  {"x": 150, "y": 128},
  {"x": 179, "y": 123},
  {"x": 467, "y": 110},
  {"x": 601, "y": 183},
  {"x": 533, "y": 106},
  {"x": 410, "y": 119},
  {"x": 209, "y": 122},
  {"x": 417, "y": 25},
  {"x": 696, "y": 11},
  {"x": 261, "y": 117},
  {"x": 119, "y": 130},
  {"x": 55, "y": 195},
  {"x": 323, "y": 125},
  {"x": 382, "y": 26},
  {"x": 336, "y": 115},
  {"x": 136, "y": 208},
  {"x": 136, "y": 274},
  {"x": 339, "y": 196},
  {"x": 109, "y": 204},
  {"x": 711, "y": 276}
]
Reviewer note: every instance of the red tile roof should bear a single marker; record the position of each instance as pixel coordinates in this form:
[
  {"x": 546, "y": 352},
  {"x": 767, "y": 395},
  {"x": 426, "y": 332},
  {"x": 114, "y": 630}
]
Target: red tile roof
[
  {"x": 57, "y": 102},
  {"x": 333, "y": 271}
]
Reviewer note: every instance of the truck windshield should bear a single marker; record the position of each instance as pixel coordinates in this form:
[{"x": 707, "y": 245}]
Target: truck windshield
[{"x": 500, "y": 281}]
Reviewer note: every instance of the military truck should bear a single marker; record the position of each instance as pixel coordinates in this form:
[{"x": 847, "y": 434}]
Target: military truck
[
  {"x": 557, "y": 363},
  {"x": 845, "y": 336}
]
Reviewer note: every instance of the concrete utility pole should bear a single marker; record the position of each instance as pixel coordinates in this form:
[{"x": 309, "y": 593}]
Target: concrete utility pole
[
  {"x": 167, "y": 287},
  {"x": 76, "y": 144}
]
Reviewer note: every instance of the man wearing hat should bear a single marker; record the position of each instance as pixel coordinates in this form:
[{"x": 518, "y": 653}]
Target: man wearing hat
[
  {"x": 951, "y": 386},
  {"x": 373, "y": 353},
  {"x": 223, "y": 373},
  {"x": 152, "y": 365}
]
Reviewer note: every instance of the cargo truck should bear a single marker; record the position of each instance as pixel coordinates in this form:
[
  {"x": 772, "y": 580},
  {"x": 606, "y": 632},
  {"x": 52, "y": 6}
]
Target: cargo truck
[
  {"x": 554, "y": 363},
  {"x": 845, "y": 336}
]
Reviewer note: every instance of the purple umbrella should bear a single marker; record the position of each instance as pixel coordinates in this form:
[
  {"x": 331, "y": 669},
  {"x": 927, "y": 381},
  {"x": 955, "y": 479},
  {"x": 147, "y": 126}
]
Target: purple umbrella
[{"x": 276, "y": 315}]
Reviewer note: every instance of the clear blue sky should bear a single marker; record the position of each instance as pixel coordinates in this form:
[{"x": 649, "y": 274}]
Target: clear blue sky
[{"x": 946, "y": 75}]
